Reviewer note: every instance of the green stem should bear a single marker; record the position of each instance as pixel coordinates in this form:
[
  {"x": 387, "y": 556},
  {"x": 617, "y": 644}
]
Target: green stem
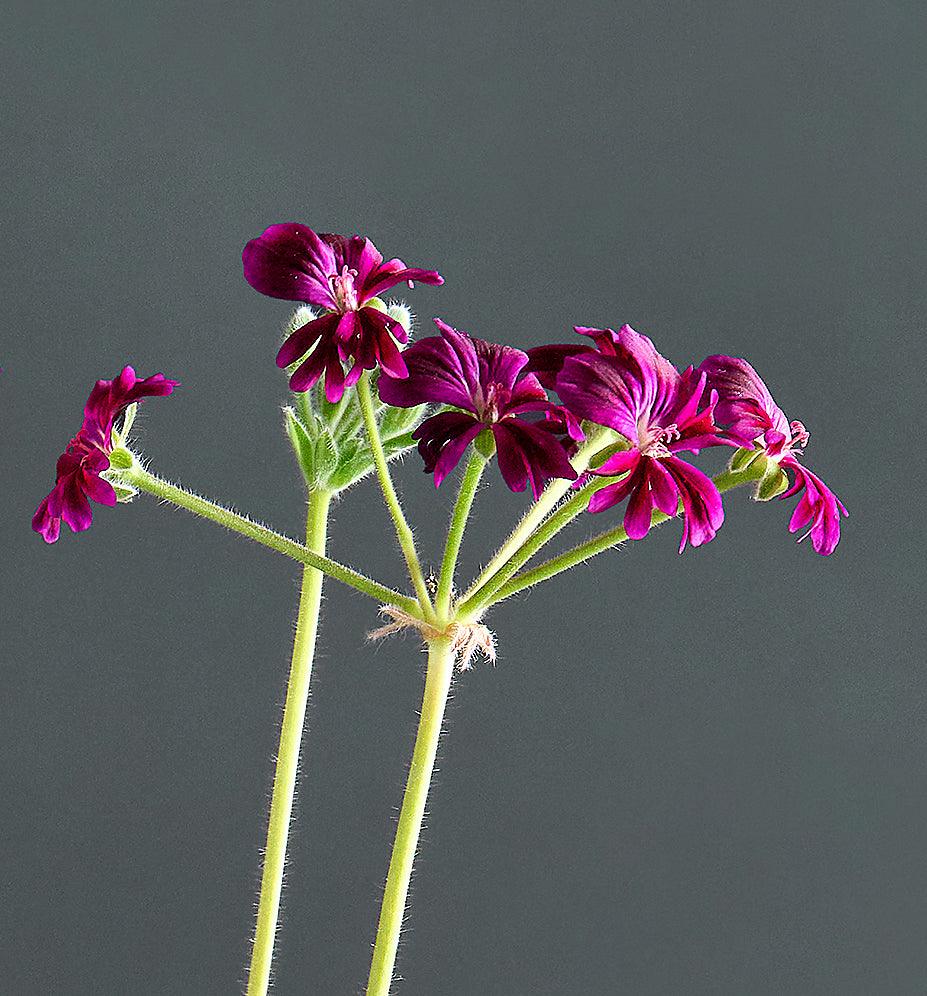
[
  {"x": 198, "y": 505},
  {"x": 403, "y": 531},
  {"x": 604, "y": 541},
  {"x": 539, "y": 510},
  {"x": 461, "y": 513},
  {"x": 294, "y": 717},
  {"x": 559, "y": 520},
  {"x": 437, "y": 686}
]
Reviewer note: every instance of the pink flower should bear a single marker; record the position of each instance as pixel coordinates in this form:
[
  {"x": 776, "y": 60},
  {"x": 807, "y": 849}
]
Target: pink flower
[
  {"x": 755, "y": 421},
  {"x": 342, "y": 275},
  {"x": 626, "y": 385},
  {"x": 487, "y": 389},
  {"x": 86, "y": 457}
]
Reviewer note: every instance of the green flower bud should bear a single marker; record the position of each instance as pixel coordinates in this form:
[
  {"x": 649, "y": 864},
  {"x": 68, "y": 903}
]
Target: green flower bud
[
  {"x": 400, "y": 312},
  {"x": 395, "y": 421}
]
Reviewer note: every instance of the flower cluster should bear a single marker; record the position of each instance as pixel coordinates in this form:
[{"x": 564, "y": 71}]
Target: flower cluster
[
  {"x": 661, "y": 417},
  {"x": 78, "y": 477}
]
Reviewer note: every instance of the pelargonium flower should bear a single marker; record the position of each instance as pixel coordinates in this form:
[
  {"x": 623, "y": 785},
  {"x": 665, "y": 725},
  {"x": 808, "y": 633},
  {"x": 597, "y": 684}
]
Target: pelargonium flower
[
  {"x": 343, "y": 275},
  {"x": 488, "y": 389},
  {"x": 628, "y": 386},
  {"x": 547, "y": 361},
  {"x": 755, "y": 421},
  {"x": 86, "y": 457}
]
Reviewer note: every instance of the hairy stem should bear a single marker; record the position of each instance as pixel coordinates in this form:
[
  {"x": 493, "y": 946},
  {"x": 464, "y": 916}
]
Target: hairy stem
[
  {"x": 437, "y": 686},
  {"x": 604, "y": 541},
  {"x": 539, "y": 510},
  {"x": 461, "y": 513},
  {"x": 403, "y": 531},
  {"x": 294, "y": 717},
  {"x": 206, "y": 509},
  {"x": 559, "y": 520}
]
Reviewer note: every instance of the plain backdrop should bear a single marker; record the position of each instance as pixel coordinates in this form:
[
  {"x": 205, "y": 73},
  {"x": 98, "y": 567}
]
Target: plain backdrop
[{"x": 686, "y": 775}]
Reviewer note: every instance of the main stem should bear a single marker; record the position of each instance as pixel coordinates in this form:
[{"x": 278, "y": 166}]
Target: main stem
[
  {"x": 403, "y": 531},
  {"x": 294, "y": 717},
  {"x": 437, "y": 686}
]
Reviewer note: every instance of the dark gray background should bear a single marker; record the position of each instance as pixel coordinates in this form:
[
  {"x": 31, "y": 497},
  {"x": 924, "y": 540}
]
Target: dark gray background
[{"x": 696, "y": 774}]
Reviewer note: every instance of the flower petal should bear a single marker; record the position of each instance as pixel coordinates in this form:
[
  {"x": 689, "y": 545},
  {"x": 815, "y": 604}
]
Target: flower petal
[
  {"x": 290, "y": 261},
  {"x": 303, "y": 339},
  {"x": 529, "y": 455}
]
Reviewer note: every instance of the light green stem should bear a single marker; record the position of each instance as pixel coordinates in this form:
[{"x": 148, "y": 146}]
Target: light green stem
[
  {"x": 198, "y": 505},
  {"x": 437, "y": 686},
  {"x": 294, "y": 717},
  {"x": 468, "y": 486},
  {"x": 403, "y": 531},
  {"x": 559, "y": 520},
  {"x": 540, "y": 509},
  {"x": 604, "y": 541}
]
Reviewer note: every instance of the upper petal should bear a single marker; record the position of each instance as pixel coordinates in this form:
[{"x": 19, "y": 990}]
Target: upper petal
[
  {"x": 393, "y": 272},
  {"x": 744, "y": 400},
  {"x": 442, "y": 369},
  {"x": 290, "y": 261}
]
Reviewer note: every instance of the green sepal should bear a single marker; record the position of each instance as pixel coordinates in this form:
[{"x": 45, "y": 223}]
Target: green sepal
[
  {"x": 124, "y": 492},
  {"x": 742, "y": 459},
  {"x": 772, "y": 484},
  {"x": 395, "y": 421},
  {"x": 303, "y": 442},
  {"x": 325, "y": 461},
  {"x": 121, "y": 459}
]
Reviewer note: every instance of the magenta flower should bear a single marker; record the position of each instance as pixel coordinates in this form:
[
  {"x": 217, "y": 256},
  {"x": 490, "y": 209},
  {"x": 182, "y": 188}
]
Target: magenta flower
[
  {"x": 628, "y": 386},
  {"x": 547, "y": 361},
  {"x": 755, "y": 421},
  {"x": 488, "y": 389},
  {"x": 341, "y": 275},
  {"x": 87, "y": 455}
]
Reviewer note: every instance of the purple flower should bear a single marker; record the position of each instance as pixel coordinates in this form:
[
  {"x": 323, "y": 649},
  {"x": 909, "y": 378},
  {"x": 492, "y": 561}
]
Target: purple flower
[
  {"x": 628, "y": 386},
  {"x": 547, "y": 361},
  {"x": 87, "y": 454},
  {"x": 341, "y": 275},
  {"x": 755, "y": 421},
  {"x": 488, "y": 389}
]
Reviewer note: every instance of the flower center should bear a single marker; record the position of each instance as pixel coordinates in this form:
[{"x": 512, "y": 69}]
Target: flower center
[
  {"x": 652, "y": 439},
  {"x": 490, "y": 401},
  {"x": 343, "y": 288},
  {"x": 781, "y": 446}
]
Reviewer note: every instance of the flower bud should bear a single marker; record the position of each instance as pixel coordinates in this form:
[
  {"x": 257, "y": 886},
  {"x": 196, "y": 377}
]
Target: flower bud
[{"x": 400, "y": 312}]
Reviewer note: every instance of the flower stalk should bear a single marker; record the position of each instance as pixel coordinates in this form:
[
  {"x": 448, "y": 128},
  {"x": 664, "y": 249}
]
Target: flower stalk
[
  {"x": 604, "y": 541},
  {"x": 140, "y": 478},
  {"x": 437, "y": 686},
  {"x": 468, "y": 488},
  {"x": 403, "y": 530},
  {"x": 538, "y": 512},
  {"x": 285, "y": 774}
]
